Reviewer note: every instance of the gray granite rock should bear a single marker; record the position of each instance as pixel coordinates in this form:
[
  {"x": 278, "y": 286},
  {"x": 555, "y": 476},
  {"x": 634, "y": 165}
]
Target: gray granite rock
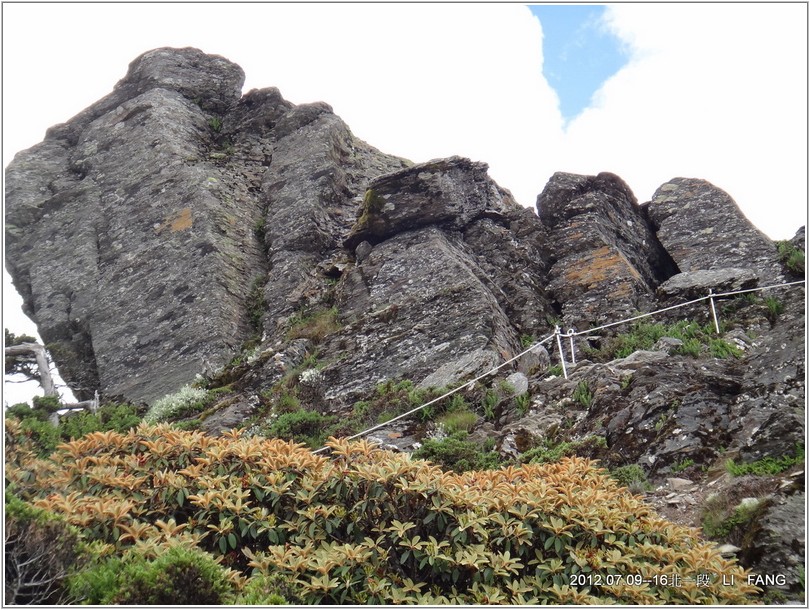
[
  {"x": 450, "y": 193},
  {"x": 775, "y": 544},
  {"x": 133, "y": 250}
]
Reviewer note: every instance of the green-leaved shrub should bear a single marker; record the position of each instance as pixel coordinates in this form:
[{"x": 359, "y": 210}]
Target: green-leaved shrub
[
  {"x": 118, "y": 417},
  {"x": 176, "y": 576},
  {"x": 41, "y": 549},
  {"x": 366, "y": 526},
  {"x": 455, "y": 453},
  {"x": 305, "y": 427},
  {"x": 42, "y": 433}
]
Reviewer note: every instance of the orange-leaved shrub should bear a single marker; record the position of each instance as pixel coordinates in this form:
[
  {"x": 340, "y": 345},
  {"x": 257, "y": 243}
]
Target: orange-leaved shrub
[{"x": 363, "y": 525}]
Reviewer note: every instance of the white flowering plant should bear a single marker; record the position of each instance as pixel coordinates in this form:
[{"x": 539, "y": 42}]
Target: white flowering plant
[{"x": 188, "y": 399}]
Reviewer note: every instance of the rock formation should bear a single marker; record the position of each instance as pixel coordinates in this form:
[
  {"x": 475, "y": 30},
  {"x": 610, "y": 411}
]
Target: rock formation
[
  {"x": 178, "y": 229},
  {"x": 605, "y": 255}
]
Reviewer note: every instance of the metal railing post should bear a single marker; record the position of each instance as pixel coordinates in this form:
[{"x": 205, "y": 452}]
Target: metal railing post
[
  {"x": 571, "y": 341},
  {"x": 714, "y": 311},
  {"x": 559, "y": 348}
]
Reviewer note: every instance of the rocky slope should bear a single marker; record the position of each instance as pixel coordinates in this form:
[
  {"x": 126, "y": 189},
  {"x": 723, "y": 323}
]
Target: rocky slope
[{"x": 178, "y": 230}]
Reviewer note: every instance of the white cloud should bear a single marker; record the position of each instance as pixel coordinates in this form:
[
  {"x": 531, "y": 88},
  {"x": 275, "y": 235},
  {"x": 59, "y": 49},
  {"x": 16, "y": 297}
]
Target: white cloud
[{"x": 713, "y": 91}]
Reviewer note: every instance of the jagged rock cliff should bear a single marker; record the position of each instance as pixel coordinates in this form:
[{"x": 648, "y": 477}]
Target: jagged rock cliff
[{"x": 178, "y": 229}]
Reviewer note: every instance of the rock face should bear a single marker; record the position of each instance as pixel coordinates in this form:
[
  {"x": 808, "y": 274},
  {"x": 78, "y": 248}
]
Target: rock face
[
  {"x": 179, "y": 228},
  {"x": 702, "y": 228},
  {"x": 174, "y": 220},
  {"x": 144, "y": 210},
  {"x": 604, "y": 255},
  {"x": 123, "y": 238}
]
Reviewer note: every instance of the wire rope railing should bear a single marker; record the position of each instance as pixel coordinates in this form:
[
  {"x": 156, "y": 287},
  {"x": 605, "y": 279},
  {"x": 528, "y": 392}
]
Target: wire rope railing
[{"x": 570, "y": 334}]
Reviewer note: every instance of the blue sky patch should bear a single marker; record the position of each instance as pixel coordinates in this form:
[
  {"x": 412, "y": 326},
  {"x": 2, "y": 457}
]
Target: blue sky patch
[{"x": 579, "y": 53}]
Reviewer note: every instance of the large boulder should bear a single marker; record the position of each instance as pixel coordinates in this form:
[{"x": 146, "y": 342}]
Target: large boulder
[
  {"x": 140, "y": 232},
  {"x": 604, "y": 256},
  {"x": 310, "y": 193},
  {"x": 702, "y": 227},
  {"x": 445, "y": 192},
  {"x": 695, "y": 284}
]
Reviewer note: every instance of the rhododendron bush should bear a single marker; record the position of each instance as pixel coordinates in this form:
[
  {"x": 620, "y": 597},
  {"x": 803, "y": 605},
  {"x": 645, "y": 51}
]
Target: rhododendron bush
[{"x": 363, "y": 525}]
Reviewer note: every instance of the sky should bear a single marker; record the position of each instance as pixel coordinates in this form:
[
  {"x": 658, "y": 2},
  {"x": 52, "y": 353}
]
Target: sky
[
  {"x": 579, "y": 53},
  {"x": 646, "y": 91}
]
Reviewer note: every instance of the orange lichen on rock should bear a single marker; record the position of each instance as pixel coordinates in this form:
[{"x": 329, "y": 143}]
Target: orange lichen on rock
[
  {"x": 177, "y": 221},
  {"x": 600, "y": 265},
  {"x": 181, "y": 220}
]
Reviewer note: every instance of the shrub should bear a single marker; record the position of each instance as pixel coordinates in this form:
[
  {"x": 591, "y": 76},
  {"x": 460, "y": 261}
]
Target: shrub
[
  {"x": 176, "y": 576},
  {"x": 40, "y": 550},
  {"x": 98, "y": 583},
  {"x": 47, "y": 404},
  {"x": 267, "y": 590},
  {"x": 457, "y": 454},
  {"x": 43, "y": 434},
  {"x": 113, "y": 416},
  {"x": 22, "y": 410},
  {"x": 187, "y": 401},
  {"x": 118, "y": 416},
  {"x": 306, "y": 427},
  {"x": 366, "y": 526},
  {"x": 76, "y": 425}
]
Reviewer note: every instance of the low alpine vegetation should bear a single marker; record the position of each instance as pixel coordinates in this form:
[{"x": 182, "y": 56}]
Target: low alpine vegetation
[
  {"x": 695, "y": 339},
  {"x": 267, "y": 520},
  {"x": 767, "y": 465},
  {"x": 187, "y": 401},
  {"x": 791, "y": 256}
]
